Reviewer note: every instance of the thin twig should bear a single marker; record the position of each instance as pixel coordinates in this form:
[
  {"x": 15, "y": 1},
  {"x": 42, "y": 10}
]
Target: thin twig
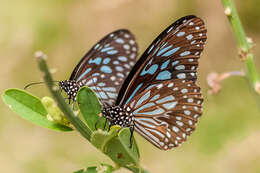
[
  {"x": 244, "y": 45},
  {"x": 77, "y": 123}
]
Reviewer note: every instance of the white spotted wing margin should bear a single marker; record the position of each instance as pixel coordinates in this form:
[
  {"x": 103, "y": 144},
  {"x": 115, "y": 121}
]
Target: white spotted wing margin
[
  {"x": 174, "y": 54},
  {"x": 105, "y": 67},
  {"x": 167, "y": 113}
]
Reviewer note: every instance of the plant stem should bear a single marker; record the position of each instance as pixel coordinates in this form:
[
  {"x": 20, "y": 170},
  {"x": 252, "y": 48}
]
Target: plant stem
[
  {"x": 137, "y": 170},
  {"x": 244, "y": 45},
  {"x": 76, "y": 122}
]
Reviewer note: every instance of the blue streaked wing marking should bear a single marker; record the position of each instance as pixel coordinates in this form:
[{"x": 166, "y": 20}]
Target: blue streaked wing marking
[
  {"x": 83, "y": 74},
  {"x": 133, "y": 94},
  {"x": 170, "y": 52}
]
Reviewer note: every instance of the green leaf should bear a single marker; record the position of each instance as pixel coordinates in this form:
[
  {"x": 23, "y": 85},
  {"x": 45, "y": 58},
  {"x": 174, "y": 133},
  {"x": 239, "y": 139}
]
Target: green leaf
[
  {"x": 118, "y": 149},
  {"x": 30, "y": 108},
  {"x": 103, "y": 168},
  {"x": 90, "y": 108},
  {"x": 116, "y": 142},
  {"x": 100, "y": 138}
]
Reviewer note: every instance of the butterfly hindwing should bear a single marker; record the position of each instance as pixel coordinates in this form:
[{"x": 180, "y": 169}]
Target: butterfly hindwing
[
  {"x": 107, "y": 64},
  {"x": 173, "y": 54},
  {"x": 166, "y": 114}
]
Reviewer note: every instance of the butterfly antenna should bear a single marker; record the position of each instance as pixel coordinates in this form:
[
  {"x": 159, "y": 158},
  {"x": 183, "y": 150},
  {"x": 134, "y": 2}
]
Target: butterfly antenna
[{"x": 36, "y": 83}]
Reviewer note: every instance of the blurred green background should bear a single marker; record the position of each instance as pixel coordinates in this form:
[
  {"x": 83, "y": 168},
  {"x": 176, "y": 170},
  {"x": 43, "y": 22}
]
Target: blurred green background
[{"x": 227, "y": 139}]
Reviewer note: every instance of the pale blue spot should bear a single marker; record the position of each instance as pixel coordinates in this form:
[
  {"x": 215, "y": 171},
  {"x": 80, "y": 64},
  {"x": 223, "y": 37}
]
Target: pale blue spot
[
  {"x": 106, "y": 49},
  {"x": 119, "y": 68},
  {"x": 111, "y": 95},
  {"x": 95, "y": 88},
  {"x": 155, "y": 112},
  {"x": 170, "y": 105},
  {"x": 185, "y": 53},
  {"x": 181, "y": 75},
  {"x": 107, "y": 45},
  {"x": 165, "y": 64},
  {"x": 189, "y": 37},
  {"x": 112, "y": 52},
  {"x": 150, "y": 86},
  {"x": 95, "y": 74},
  {"x": 180, "y": 67},
  {"x": 120, "y": 75},
  {"x": 106, "y": 69},
  {"x": 170, "y": 52},
  {"x": 175, "y": 63},
  {"x": 115, "y": 62},
  {"x": 151, "y": 70},
  {"x": 106, "y": 60},
  {"x": 180, "y": 34},
  {"x": 184, "y": 90},
  {"x": 143, "y": 98},
  {"x": 132, "y": 95},
  {"x": 101, "y": 84},
  {"x": 143, "y": 107},
  {"x": 109, "y": 89},
  {"x": 97, "y": 45},
  {"x": 187, "y": 112},
  {"x": 83, "y": 74},
  {"x": 120, "y": 40},
  {"x": 155, "y": 97},
  {"x": 96, "y": 61},
  {"x": 165, "y": 99},
  {"x": 162, "y": 50},
  {"x": 122, "y": 58},
  {"x": 164, "y": 75},
  {"x": 126, "y": 46},
  {"x": 102, "y": 95}
]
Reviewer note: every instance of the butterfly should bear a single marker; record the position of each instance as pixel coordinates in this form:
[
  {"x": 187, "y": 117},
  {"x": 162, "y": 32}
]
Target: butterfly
[
  {"x": 160, "y": 99},
  {"x": 104, "y": 67}
]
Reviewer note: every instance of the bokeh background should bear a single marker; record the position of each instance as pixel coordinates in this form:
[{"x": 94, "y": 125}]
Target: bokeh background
[{"x": 227, "y": 139}]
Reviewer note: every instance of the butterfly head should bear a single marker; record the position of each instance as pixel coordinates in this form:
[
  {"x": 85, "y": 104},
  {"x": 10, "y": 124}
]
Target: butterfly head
[
  {"x": 117, "y": 115},
  {"x": 71, "y": 88}
]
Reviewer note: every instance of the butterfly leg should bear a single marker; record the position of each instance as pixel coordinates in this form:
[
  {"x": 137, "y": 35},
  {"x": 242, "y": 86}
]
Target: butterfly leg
[
  {"x": 109, "y": 126},
  {"x": 105, "y": 125},
  {"x": 69, "y": 99},
  {"x": 73, "y": 108},
  {"x": 131, "y": 135}
]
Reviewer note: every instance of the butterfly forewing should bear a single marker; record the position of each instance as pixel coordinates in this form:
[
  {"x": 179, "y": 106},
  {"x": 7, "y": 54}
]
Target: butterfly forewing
[
  {"x": 166, "y": 114},
  {"x": 173, "y": 54},
  {"x": 107, "y": 64}
]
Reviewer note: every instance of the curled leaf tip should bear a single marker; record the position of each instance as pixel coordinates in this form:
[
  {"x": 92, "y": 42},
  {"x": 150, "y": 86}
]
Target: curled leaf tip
[
  {"x": 249, "y": 40},
  {"x": 40, "y": 55},
  {"x": 53, "y": 70},
  {"x": 257, "y": 87},
  {"x": 228, "y": 11},
  {"x": 55, "y": 88}
]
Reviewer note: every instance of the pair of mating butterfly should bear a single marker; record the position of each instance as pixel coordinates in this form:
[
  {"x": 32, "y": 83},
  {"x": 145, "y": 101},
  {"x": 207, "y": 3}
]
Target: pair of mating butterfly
[{"x": 157, "y": 96}]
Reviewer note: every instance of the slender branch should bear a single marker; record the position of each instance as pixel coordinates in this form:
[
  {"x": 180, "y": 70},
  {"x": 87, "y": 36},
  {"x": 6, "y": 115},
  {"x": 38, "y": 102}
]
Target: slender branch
[
  {"x": 77, "y": 123},
  {"x": 244, "y": 45},
  {"x": 137, "y": 170}
]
